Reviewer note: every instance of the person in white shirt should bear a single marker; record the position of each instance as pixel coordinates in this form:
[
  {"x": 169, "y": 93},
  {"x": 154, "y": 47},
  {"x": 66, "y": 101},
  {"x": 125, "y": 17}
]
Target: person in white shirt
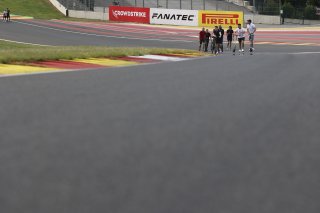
[
  {"x": 240, "y": 33},
  {"x": 251, "y": 29}
]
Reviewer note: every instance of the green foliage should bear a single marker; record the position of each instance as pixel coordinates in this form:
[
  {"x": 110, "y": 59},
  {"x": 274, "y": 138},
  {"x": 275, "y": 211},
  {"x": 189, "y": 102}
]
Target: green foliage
[
  {"x": 310, "y": 12},
  {"x": 288, "y": 10},
  {"x": 271, "y": 7},
  {"x": 313, "y": 2}
]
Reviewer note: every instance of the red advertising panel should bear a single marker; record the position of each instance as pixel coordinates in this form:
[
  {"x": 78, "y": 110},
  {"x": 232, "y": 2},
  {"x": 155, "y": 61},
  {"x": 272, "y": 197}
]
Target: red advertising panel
[{"x": 129, "y": 14}]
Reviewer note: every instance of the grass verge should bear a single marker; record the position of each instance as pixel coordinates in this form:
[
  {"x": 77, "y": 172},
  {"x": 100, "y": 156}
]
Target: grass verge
[
  {"x": 20, "y": 53},
  {"x": 40, "y": 9}
]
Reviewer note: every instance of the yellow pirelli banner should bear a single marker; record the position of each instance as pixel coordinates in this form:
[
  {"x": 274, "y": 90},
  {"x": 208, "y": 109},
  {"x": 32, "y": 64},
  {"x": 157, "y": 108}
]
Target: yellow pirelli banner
[{"x": 211, "y": 18}]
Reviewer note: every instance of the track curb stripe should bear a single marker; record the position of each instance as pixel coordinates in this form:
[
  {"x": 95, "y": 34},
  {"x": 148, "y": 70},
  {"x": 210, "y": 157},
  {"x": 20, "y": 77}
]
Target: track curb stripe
[{"x": 90, "y": 63}]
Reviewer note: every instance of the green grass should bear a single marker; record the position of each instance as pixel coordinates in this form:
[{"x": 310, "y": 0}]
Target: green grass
[
  {"x": 17, "y": 53},
  {"x": 40, "y": 9}
]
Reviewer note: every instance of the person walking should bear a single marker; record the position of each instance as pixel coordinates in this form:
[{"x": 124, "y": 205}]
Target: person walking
[
  {"x": 8, "y": 14},
  {"x": 202, "y": 35},
  {"x": 207, "y": 39},
  {"x": 240, "y": 33},
  {"x": 4, "y": 15},
  {"x": 217, "y": 35},
  {"x": 251, "y": 29},
  {"x": 222, "y": 35},
  {"x": 230, "y": 37}
]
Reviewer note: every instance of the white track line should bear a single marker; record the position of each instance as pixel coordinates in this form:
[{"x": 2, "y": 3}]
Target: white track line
[
  {"x": 304, "y": 53},
  {"x": 20, "y": 42},
  {"x": 106, "y": 36},
  {"x": 111, "y": 27},
  {"x": 162, "y": 58}
]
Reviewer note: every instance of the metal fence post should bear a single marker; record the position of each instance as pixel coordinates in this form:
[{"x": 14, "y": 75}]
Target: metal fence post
[
  {"x": 135, "y": 3},
  {"x": 191, "y": 4},
  {"x": 167, "y": 4},
  {"x": 204, "y": 4},
  {"x": 280, "y": 10},
  {"x": 180, "y": 5},
  {"x": 157, "y": 3},
  {"x": 142, "y": 3}
]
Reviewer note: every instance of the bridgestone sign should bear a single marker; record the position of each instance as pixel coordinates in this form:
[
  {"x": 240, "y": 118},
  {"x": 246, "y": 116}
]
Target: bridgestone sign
[{"x": 174, "y": 17}]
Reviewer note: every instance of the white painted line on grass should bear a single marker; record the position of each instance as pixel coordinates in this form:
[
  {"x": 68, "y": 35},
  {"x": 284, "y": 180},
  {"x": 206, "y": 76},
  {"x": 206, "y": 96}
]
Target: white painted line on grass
[{"x": 20, "y": 42}]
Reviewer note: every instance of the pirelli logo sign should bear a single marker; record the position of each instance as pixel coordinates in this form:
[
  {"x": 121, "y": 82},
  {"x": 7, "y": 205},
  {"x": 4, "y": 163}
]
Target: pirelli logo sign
[{"x": 211, "y": 18}]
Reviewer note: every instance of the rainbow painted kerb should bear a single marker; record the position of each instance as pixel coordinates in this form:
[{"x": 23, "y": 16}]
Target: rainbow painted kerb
[{"x": 90, "y": 63}]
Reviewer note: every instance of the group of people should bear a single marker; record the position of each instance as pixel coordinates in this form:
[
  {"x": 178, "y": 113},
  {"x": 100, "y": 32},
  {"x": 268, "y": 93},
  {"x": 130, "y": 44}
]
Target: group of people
[
  {"x": 218, "y": 34},
  {"x": 6, "y": 15}
]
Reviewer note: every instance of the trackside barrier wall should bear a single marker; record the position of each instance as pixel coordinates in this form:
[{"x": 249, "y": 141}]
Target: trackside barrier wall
[
  {"x": 259, "y": 19},
  {"x": 205, "y": 18},
  {"x": 88, "y": 15},
  {"x": 263, "y": 19},
  {"x": 174, "y": 17}
]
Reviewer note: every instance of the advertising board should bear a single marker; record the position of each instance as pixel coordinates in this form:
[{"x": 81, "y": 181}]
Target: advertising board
[
  {"x": 129, "y": 14},
  {"x": 211, "y": 18},
  {"x": 174, "y": 17}
]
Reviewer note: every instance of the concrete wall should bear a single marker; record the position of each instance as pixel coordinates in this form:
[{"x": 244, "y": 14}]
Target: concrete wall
[
  {"x": 263, "y": 19},
  {"x": 101, "y": 9},
  {"x": 88, "y": 15},
  {"x": 300, "y": 21},
  {"x": 59, "y": 6}
]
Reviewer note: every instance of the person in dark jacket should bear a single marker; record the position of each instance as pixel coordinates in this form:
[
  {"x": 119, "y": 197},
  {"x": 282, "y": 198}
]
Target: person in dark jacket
[
  {"x": 222, "y": 34},
  {"x": 202, "y": 36},
  {"x": 230, "y": 37},
  {"x": 207, "y": 39}
]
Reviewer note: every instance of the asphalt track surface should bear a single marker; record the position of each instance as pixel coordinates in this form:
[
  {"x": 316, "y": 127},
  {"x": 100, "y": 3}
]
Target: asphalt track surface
[{"x": 218, "y": 134}]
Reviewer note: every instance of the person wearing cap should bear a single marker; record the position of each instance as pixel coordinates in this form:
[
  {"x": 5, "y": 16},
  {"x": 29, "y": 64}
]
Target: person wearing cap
[{"x": 251, "y": 29}]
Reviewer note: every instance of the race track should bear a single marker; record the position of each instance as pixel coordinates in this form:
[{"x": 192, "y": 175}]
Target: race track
[{"x": 220, "y": 134}]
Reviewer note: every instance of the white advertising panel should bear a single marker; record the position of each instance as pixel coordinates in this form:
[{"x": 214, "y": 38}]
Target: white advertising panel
[{"x": 174, "y": 17}]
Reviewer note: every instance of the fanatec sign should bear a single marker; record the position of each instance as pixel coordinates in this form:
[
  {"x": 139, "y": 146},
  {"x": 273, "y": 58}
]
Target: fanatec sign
[{"x": 173, "y": 17}]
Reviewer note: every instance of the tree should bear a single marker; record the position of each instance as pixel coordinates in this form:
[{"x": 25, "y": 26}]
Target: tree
[
  {"x": 310, "y": 12},
  {"x": 313, "y": 2},
  {"x": 288, "y": 10}
]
